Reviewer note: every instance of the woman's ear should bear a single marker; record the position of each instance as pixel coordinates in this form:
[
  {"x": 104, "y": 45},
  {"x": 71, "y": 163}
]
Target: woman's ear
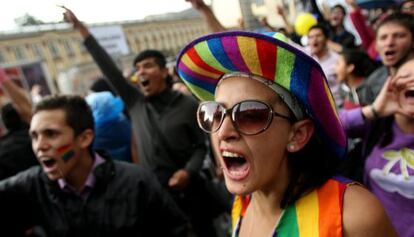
[
  {"x": 301, "y": 133},
  {"x": 350, "y": 68}
]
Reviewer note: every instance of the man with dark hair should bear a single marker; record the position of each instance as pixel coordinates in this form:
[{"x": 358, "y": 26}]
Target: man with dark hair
[
  {"x": 169, "y": 142},
  {"x": 78, "y": 192},
  {"x": 319, "y": 50},
  {"x": 338, "y": 32},
  {"x": 16, "y": 152},
  {"x": 407, "y": 7},
  {"x": 395, "y": 45}
]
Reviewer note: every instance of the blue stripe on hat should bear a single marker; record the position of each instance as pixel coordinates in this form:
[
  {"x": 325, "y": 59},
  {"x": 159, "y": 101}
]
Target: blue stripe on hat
[{"x": 216, "y": 48}]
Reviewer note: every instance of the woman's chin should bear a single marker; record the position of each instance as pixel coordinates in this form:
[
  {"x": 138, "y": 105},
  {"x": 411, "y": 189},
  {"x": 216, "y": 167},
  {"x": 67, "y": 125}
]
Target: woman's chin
[{"x": 238, "y": 188}]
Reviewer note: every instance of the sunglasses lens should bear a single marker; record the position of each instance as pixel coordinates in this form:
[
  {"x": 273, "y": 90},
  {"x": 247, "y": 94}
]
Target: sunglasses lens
[
  {"x": 251, "y": 117},
  {"x": 209, "y": 116}
]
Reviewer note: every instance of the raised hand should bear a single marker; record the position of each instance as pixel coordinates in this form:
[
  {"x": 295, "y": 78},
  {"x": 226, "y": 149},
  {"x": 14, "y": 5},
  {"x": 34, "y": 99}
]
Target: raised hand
[
  {"x": 70, "y": 17},
  {"x": 197, "y": 4}
]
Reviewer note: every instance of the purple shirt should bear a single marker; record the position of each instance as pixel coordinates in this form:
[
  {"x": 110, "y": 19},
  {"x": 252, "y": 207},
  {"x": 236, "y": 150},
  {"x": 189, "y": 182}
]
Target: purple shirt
[
  {"x": 389, "y": 173},
  {"x": 89, "y": 182}
]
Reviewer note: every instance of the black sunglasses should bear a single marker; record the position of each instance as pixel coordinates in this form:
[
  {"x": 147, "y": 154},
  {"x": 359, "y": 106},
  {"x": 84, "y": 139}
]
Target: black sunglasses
[{"x": 249, "y": 117}]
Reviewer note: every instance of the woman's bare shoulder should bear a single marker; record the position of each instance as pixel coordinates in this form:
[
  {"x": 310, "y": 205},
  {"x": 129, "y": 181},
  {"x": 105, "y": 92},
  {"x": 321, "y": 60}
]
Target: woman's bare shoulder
[{"x": 363, "y": 215}]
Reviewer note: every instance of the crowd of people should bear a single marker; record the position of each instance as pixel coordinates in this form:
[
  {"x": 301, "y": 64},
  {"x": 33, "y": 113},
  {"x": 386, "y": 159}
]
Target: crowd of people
[{"x": 319, "y": 140}]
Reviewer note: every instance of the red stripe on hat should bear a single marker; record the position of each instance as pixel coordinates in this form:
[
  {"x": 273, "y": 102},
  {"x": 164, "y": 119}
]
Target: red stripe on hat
[
  {"x": 192, "y": 53},
  {"x": 268, "y": 58}
]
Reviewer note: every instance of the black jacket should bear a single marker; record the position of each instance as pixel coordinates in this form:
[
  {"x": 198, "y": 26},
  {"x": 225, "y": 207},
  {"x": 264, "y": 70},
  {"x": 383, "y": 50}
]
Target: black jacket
[
  {"x": 125, "y": 201},
  {"x": 16, "y": 153}
]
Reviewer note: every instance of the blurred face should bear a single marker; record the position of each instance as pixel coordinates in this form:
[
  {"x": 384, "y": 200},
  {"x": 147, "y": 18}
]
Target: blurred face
[
  {"x": 251, "y": 162},
  {"x": 151, "y": 77},
  {"x": 394, "y": 44},
  {"x": 317, "y": 41},
  {"x": 408, "y": 8},
  {"x": 337, "y": 17},
  {"x": 341, "y": 69},
  {"x": 54, "y": 144},
  {"x": 406, "y": 96}
]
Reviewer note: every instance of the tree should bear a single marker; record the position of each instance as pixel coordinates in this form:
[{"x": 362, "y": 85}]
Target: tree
[{"x": 28, "y": 20}]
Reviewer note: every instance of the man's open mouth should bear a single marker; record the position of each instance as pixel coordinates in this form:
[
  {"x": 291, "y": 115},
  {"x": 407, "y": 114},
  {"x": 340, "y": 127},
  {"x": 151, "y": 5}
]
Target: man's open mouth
[
  {"x": 48, "y": 163},
  {"x": 144, "y": 81}
]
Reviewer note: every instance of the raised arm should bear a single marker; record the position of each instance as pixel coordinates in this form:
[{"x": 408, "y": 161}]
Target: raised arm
[
  {"x": 19, "y": 97},
  {"x": 212, "y": 22},
  {"x": 281, "y": 12},
  {"x": 113, "y": 75}
]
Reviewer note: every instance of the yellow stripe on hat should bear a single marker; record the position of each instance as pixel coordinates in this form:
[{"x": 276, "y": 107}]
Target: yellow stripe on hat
[
  {"x": 248, "y": 50},
  {"x": 330, "y": 97},
  {"x": 190, "y": 64}
]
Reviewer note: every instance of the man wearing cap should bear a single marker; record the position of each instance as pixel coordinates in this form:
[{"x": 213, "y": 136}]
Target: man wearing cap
[{"x": 169, "y": 142}]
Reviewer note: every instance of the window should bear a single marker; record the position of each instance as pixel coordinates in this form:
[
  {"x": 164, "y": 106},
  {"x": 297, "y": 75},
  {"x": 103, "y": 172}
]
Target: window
[
  {"x": 2, "y": 57},
  {"x": 54, "y": 50},
  {"x": 37, "y": 51},
  {"x": 19, "y": 52},
  {"x": 68, "y": 48},
  {"x": 81, "y": 46}
]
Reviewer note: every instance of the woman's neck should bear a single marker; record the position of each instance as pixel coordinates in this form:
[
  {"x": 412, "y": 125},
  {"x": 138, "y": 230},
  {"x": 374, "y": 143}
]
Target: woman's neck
[
  {"x": 405, "y": 123},
  {"x": 353, "y": 81}
]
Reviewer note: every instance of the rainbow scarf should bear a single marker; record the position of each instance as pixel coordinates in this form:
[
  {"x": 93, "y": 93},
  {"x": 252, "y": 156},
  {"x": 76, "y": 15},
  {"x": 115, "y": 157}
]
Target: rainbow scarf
[
  {"x": 319, "y": 213},
  {"x": 66, "y": 152}
]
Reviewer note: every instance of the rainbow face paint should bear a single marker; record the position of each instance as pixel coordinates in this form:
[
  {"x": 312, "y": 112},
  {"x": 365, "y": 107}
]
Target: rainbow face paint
[{"x": 66, "y": 152}]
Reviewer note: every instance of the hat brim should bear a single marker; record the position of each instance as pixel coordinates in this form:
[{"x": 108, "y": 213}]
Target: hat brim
[{"x": 204, "y": 61}]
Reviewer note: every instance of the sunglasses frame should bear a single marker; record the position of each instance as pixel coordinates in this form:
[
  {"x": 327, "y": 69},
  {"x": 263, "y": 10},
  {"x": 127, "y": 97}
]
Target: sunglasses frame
[{"x": 231, "y": 113}]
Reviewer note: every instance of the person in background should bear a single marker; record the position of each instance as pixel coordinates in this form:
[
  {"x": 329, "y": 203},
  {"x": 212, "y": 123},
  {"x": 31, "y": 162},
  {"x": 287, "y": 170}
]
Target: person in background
[
  {"x": 395, "y": 45},
  {"x": 407, "y": 7},
  {"x": 16, "y": 152},
  {"x": 326, "y": 57},
  {"x": 351, "y": 69},
  {"x": 387, "y": 130},
  {"x": 339, "y": 34},
  {"x": 278, "y": 138},
  {"x": 112, "y": 128},
  {"x": 169, "y": 142},
  {"x": 78, "y": 192}
]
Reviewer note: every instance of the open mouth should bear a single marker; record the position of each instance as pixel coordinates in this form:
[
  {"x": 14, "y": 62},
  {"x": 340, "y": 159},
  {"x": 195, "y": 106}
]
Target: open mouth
[
  {"x": 409, "y": 94},
  {"x": 237, "y": 166},
  {"x": 48, "y": 163},
  {"x": 144, "y": 81},
  {"x": 390, "y": 53}
]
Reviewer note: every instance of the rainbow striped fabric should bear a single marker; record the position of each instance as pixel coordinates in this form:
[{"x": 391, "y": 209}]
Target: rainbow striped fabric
[
  {"x": 202, "y": 63},
  {"x": 66, "y": 152},
  {"x": 318, "y": 214}
]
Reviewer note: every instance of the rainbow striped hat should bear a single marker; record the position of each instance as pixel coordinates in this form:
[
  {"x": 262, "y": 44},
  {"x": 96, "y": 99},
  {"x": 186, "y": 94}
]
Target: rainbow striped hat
[{"x": 204, "y": 61}]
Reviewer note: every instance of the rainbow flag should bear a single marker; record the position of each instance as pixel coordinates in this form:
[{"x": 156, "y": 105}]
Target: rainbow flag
[
  {"x": 319, "y": 213},
  {"x": 66, "y": 152}
]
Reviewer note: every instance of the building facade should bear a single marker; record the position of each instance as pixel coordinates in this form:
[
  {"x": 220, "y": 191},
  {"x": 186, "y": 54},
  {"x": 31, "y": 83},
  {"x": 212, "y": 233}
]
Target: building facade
[{"x": 70, "y": 67}]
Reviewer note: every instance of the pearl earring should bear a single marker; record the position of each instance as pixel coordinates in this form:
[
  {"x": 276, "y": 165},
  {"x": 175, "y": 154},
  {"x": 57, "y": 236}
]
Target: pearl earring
[{"x": 291, "y": 147}]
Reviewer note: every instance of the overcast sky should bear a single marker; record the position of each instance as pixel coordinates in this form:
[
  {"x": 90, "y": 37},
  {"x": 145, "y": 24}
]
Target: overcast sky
[{"x": 90, "y": 11}]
